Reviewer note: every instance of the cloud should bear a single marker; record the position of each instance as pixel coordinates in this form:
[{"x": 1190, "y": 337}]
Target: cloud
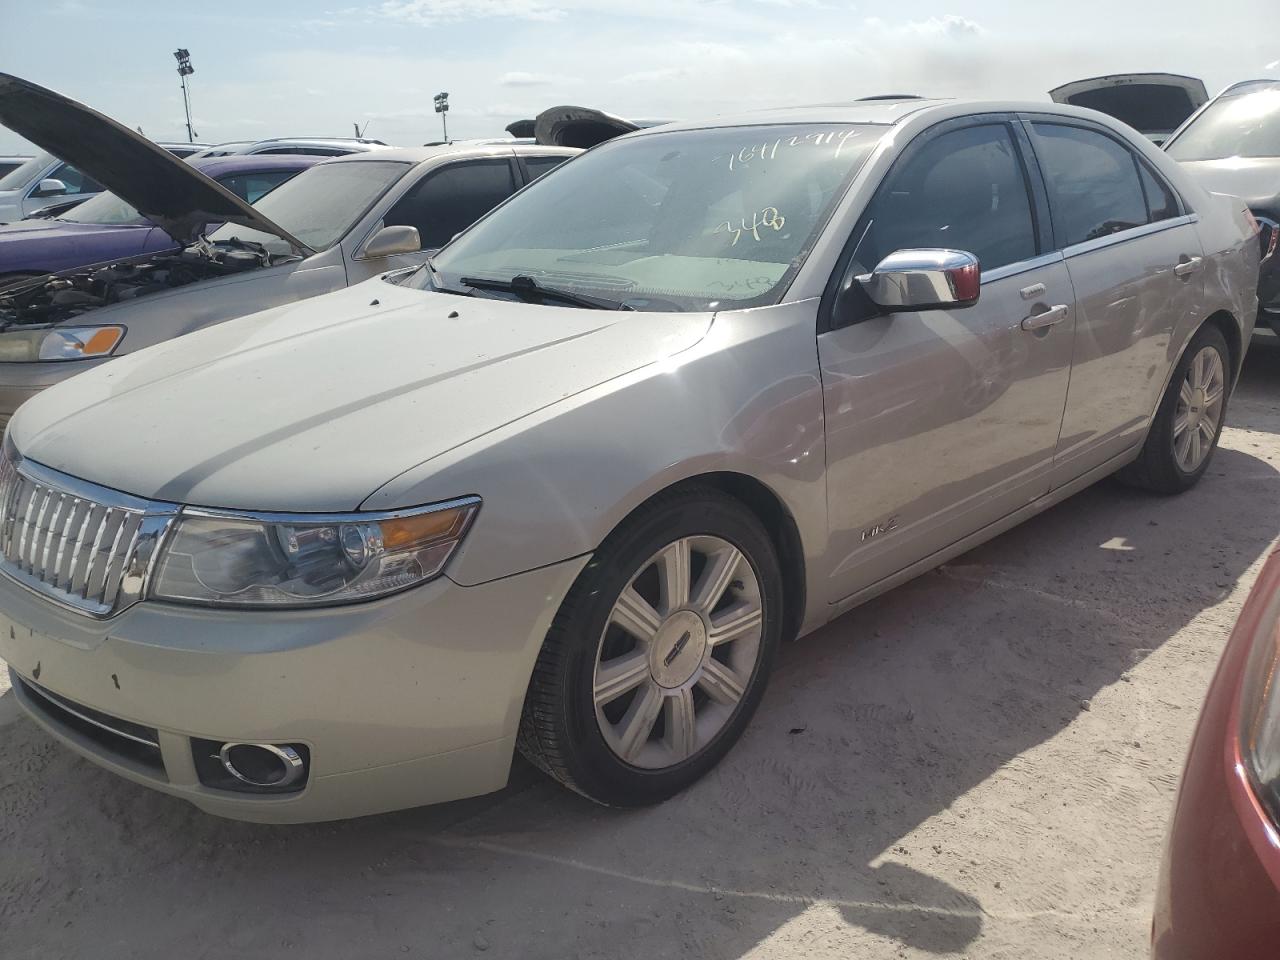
[
  {"x": 430, "y": 12},
  {"x": 1273, "y": 65},
  {"x": 518, "y": 78}
]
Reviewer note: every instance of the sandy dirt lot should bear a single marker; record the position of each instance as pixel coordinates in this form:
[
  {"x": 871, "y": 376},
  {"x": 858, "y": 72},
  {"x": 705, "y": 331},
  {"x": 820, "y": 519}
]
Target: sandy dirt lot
[{"x": 980, "y": 763}]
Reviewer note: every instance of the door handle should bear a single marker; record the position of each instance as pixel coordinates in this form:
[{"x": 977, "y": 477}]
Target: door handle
[
  {"x": 1187, "y": 267},
  {"x": 1045, "y": 318}
]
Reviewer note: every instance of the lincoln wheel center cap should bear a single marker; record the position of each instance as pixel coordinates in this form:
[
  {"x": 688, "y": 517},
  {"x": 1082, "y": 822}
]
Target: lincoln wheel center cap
[{"x": 678, "y": 649}]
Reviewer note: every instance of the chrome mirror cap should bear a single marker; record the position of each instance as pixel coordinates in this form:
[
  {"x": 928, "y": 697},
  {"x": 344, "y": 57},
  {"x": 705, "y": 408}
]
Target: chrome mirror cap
[
  {"x": 924, "y": 279},
  {"x": 51, "y": 187},
  {"x": 390, "y": 241}
]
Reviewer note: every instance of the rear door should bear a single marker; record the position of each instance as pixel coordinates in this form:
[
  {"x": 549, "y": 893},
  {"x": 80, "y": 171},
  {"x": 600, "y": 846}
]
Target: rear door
[
  {"x": 444, "y": 202},
  {"x": 1135, "y": 262},
  {"x": 940, "y": 422}
]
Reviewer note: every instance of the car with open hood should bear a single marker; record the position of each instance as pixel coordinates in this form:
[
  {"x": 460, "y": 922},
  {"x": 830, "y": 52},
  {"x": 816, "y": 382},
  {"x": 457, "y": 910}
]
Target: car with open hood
[
  {"x": 1232, "y": 146},
  {"x": 105, "y": 227},
  {"x": 1154, "y": 104},
  {"x": 567, "y": 485},
  {"x": 337, "y": 223}
]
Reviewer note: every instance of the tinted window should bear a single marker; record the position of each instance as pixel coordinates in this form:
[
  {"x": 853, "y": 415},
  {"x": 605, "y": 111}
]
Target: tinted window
[
  {"x": 451, "y": 199},
  {"x": 75, "y": 181},
  {"x": 1242, "y": 125},
  {"x": 963, "y": 190},
  {"x": 1093, "y": 182},
  {"x": 537, "y": 166},
  {"x": 1161, "y": 203}
]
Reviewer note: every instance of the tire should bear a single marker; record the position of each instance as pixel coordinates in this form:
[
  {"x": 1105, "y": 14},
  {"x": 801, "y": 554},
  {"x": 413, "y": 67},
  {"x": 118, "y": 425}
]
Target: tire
[
  {"x": 584, "y": 725},
  {"x": 1161, "y": 467}
]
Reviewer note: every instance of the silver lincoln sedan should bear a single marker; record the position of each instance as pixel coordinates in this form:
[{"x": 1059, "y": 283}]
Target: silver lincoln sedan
[{"x": 567, "y": 487}]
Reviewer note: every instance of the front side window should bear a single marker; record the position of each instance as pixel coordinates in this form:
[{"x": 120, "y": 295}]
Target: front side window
[
  {"x": 1243, "y": 125},
  {"x": 720, "y": 218},
  {"x": 451, "y": 198},
  {"x": 320, "y": 204},
  {"x": 1093, "y": 182},
  {"x": 963, "y": 190}
]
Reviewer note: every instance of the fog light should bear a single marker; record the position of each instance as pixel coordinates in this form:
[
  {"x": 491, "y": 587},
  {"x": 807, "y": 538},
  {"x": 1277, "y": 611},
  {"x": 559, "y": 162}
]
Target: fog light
[{"x": 251, "y": 767}]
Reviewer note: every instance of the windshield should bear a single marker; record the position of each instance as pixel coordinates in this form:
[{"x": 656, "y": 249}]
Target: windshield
[
  {"x": 106, "y": 209},
  {"x": 686, "y": 220},
  {"x": 16, "y": 179},
  {"x": 320, "y": 204},
  {"x": 1246, "y": 125}
]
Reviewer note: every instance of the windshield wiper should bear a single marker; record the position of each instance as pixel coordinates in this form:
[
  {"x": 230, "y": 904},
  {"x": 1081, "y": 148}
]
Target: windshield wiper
[{"x": 530, "y": 290}]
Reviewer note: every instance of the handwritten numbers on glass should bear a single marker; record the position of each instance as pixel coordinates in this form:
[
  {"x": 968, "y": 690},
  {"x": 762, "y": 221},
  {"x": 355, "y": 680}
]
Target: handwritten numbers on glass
[{"x": 769, "y": 218}]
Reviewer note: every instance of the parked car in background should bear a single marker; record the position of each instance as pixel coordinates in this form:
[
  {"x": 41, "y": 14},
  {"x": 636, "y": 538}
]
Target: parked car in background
[
  {"x": 1154, "y": 104},
  {"x": 311, "y": 146},
  {"x": 45, "y": 181},
  {"x": 182, "y": 150},
  {"x": 106, "y": 227},
  {"x": 9, "y": 164},
  {"x": 1219, "y": 890},
  {"x": 337, "y": 223},
  {"x": 569, "y": 483},
  {"x": 1232, "y": 146}
]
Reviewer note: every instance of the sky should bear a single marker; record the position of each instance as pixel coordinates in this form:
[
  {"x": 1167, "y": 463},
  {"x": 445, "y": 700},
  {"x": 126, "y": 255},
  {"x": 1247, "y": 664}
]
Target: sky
[{"x": 287, "y": 68}]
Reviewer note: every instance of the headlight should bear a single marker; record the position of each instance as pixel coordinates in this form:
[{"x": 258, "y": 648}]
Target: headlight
[
  {"x": 280, "y": 560},
  {"x": 59, "y": 343}
]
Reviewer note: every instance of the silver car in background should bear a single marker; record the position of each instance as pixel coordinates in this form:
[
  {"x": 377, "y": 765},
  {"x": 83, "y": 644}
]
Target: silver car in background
[
  {"x": 353, "y": 218},
  {"x": 566, "y": 487}
]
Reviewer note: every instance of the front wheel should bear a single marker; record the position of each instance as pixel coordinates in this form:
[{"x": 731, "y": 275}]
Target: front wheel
[
  {"x": 1189, "y": 422},
  {"x": 659, "y": 654}
]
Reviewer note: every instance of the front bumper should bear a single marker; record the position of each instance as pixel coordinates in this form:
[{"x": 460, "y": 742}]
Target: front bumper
[
  {"x": 404, "y": 701},
  {"x": 19, "y": 382}
]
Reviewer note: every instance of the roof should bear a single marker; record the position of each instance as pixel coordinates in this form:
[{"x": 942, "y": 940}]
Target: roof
[
  {"x": 420, "y": 154},
  {"x": 253, "y": 163}
]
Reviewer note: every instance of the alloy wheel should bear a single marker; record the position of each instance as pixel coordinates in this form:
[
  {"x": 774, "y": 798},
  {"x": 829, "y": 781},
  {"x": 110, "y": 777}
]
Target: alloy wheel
[
  {"x": 1199, "y": 410},
  {"x": 678, "y": 652}
]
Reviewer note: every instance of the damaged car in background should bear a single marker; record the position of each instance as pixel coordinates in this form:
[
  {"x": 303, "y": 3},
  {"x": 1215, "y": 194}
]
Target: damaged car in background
[
  {"x": 337, "y": 223},
  {"x": 1154, "y": 104}
]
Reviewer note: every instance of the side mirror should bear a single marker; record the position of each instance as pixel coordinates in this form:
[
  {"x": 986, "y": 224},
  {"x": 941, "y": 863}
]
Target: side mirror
[
  {"x": 390, "y": 241},
  {"x": 51, "y": 188},
  {"x": 924, "y": 280}
]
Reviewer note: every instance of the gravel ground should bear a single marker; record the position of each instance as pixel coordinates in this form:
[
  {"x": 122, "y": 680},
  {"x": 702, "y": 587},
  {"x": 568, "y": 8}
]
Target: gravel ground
[{"x": 980, "y": 763}]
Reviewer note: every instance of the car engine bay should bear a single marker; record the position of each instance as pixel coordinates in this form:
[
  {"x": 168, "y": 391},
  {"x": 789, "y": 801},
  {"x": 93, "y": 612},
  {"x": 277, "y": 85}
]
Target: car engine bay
[{"x": 57, "y": 297}]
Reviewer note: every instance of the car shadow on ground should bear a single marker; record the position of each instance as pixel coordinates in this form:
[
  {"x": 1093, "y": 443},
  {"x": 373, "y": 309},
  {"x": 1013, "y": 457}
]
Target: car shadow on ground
[{"x": 873, "y": 725}]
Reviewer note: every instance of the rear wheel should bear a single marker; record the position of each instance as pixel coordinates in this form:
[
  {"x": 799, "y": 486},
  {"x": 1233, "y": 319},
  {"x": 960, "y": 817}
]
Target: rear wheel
[
  {"x": 1189, "y": 422},
  {"x": 660, "y": 653}
]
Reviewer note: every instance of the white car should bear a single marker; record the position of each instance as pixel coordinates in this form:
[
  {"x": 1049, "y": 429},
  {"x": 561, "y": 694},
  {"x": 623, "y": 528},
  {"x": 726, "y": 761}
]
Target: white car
[
  {"x": 40, "y": 182},
  {"x": 337, "y": 223}
]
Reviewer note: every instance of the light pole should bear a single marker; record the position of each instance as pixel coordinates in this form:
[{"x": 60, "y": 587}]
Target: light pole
[
  {"x": 441, "y": 101},
  {"x": 185, "y": 69}
]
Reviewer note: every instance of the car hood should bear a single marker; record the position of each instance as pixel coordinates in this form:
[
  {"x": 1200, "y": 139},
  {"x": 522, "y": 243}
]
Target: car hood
[
  {"x": 569, "y": 126},
  {"x": 172, "y": 194},
  {"x": 1153, "y": 103},
  {"x": 314, "y": 406},
  {"x": 1256, "y": 180}
]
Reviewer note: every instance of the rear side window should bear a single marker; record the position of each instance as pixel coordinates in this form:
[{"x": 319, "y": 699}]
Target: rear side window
[
  {"x": 963, "y": 190},
  {"x": 1093, "y": 182},
  {"x": 452, "y": 198},
  {"x": 537, "y": 166},
  {"x": 1161, "y": 203}
]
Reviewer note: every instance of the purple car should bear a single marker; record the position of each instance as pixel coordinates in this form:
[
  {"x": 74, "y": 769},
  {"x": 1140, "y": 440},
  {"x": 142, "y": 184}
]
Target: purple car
[{"x": 104, "y": 227}]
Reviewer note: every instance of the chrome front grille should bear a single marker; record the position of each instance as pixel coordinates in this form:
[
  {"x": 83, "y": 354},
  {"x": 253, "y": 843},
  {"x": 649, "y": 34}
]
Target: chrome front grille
[{"x": 84, "y": 546}]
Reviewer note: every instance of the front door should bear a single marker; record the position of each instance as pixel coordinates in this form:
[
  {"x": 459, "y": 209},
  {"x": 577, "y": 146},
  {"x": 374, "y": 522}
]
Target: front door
[{"x": 941, "y": 422}]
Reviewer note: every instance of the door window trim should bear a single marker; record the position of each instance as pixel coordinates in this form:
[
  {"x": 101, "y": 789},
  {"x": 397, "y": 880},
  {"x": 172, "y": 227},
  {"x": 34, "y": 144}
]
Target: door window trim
[
  {"x": 1027, "y": 119},
  {"x": 1037, "y": 198},
  {"x": 1123, "y": 236}
]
